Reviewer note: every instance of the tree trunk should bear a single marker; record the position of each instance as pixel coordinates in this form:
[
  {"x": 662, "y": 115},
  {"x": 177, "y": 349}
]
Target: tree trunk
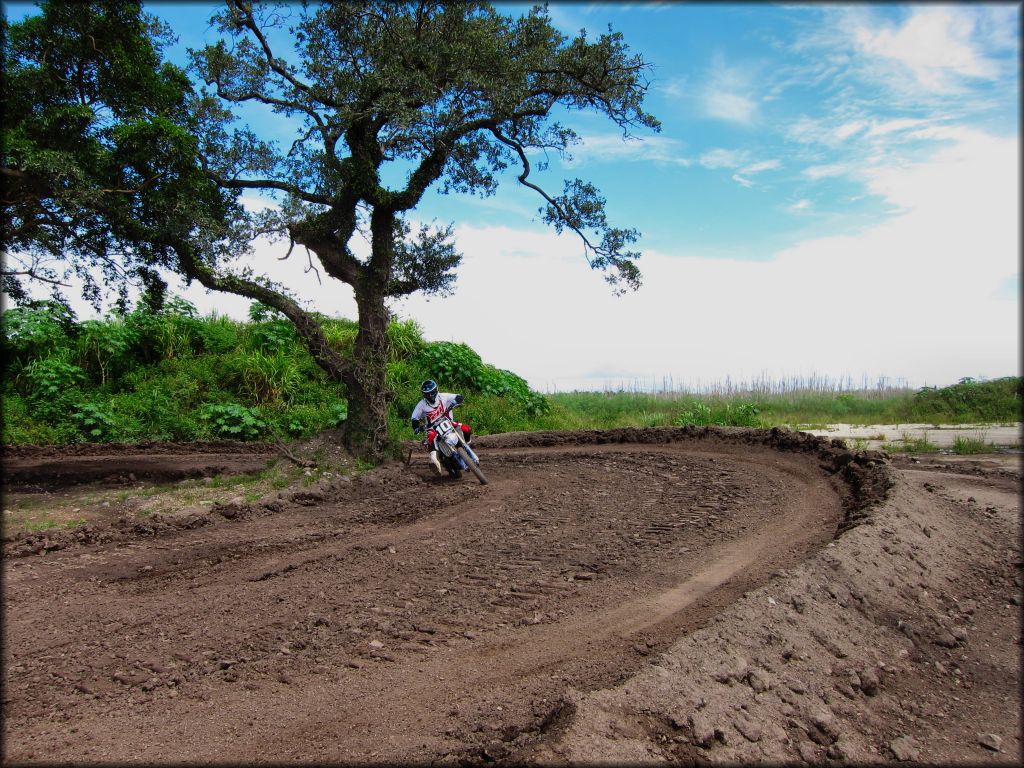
[{"x": 366, "y": 429}]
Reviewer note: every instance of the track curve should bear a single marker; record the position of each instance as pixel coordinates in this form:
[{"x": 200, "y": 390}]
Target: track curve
[{"x": 403, "y": 617}]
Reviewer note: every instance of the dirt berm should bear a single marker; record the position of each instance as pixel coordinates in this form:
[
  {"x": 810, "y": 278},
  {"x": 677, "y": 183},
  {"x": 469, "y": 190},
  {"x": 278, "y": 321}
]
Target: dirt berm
[{"x": 627, "y": 595}]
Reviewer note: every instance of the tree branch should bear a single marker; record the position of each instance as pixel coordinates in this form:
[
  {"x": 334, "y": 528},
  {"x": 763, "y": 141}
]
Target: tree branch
[
  {"x": 306, "y": 325},
  {"x": 587, "y": 245},
  {"x": 298, "y": 192}
]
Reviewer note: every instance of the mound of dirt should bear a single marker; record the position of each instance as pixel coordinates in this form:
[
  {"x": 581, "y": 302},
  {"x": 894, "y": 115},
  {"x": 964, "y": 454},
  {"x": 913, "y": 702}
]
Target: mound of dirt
[
  {"x": 621, "y": 595},
  {"x": 39, "y": 468},
  {"x": 900, "y": 641}
]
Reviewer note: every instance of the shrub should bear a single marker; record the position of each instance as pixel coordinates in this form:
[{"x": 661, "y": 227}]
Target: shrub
[
  {"x": 337, "y": 414},
  {"x": 455, "y": 366},
  {"x": 233, "y": 421},
  {"x": 406, "y": 339},
  {"x": 742, "y": 415},
  {"x": 272, "y": 336},
  {"x": 340, "y": 334},
  {"x": 996, "y": 400},
  {"x": 269, "y": 378},
  {"x": 36, "y": 331},
  {"x": 96, "y": 424},
  {"x": 968, "y": 446},
  {"x": 698, "y": 414},
  {"x": 219, "y": 335},
  {"x": 46, "y": 380},
  {"x": 104, "y": 347}
]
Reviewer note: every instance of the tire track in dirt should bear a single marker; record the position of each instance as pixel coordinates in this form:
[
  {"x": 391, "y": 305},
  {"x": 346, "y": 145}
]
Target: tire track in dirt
[{"x": 400, "y": 617}]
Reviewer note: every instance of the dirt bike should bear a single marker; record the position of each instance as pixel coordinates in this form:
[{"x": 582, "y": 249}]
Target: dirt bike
[{"x": 453, "y": 453}]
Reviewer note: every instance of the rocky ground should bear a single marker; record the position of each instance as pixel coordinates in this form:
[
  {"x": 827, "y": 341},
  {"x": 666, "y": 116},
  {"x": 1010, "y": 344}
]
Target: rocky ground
[{"x": 652, "y": 595}]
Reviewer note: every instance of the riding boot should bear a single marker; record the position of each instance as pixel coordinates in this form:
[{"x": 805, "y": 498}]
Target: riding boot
[{"x": 433, "y": 458}]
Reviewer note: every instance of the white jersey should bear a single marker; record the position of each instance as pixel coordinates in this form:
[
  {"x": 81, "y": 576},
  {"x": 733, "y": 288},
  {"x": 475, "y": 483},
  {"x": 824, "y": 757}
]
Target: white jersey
[{"x": 425, "y": 410}]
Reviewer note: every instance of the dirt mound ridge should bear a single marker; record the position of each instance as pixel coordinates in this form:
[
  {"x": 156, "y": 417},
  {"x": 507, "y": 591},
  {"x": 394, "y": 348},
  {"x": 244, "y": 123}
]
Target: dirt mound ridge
[{"x": 864, "y": 473}]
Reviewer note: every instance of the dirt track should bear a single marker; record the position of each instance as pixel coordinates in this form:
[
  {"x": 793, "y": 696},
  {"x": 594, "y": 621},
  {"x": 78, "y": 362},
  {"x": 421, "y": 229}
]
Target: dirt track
[{"x": 400, "y": 617}]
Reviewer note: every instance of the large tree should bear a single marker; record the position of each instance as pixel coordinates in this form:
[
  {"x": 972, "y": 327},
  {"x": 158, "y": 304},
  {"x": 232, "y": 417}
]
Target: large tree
[
  {"x": 453, "y": 94},
  {"x": 113, "y": 162},
  {"x": 99, "y": 172}
]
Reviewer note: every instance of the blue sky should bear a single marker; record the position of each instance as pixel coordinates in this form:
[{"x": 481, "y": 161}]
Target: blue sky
[{"x": 834, "y": 192}]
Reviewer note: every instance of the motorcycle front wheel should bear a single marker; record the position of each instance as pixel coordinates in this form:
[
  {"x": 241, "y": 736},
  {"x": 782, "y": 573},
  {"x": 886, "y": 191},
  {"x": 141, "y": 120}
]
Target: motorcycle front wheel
[
  {"x": 452, "y": 465},
  {"x": 471, "y": 464}
]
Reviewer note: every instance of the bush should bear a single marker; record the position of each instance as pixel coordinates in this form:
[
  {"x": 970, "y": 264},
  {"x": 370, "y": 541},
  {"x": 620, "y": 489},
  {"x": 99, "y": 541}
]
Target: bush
[
  {"x": 104, "y": 348},
  {"x": 219, "y": 335},
  {"x": 269, "y": 378},
  {"x": 406, "y": 339},
  {"x": 996, "y": 400},
  {"x": 95, "y": 424},
  {"x": 51, "y": 385},
  {"x": 457, "y": 367},
  {"x": 36, "y": 331},
  {"x": 340, "y": 334},
  {"x": 234, "y": 422},
  {"x": 165, "y": 373},
  {"x": 698, "y": 415}
]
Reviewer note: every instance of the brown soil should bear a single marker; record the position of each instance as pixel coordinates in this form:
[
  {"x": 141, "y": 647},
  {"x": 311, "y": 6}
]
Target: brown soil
[
  {"x": 30, "y": 467},
  {"x": 633, "y": 595}
]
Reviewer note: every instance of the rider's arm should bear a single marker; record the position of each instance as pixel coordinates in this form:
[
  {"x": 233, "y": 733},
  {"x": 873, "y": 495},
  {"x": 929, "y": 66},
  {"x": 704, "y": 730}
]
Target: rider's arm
[
  {"x": 416, "y": 426},
  {"x": 450, "y": 400}
]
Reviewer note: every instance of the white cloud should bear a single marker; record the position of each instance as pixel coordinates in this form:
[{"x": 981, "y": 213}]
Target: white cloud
[
  {"x": 614, "y": 148},
  {"x": 763, "y": 165},
  {"x": 735, "y": 158},
  {"x": 837, "y": 305},
  {"x": 254, "y": 203},
  {"x": 815, "y": 172},
  {"x": 806, "y": 130},
  {"x": 729, "y": 106},
  {"x": 893, "y": 126},
  {"x": 935, "y": 43},
  {"x": 724, "y": 158},
  {"x": 846, "y": 130},
  {"x": 729, "y": 93},
  {"x": 800, "y": 205}
]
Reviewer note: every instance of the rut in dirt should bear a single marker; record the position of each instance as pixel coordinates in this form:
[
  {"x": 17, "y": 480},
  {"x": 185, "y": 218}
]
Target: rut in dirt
[{"x": 402, "y": 617}]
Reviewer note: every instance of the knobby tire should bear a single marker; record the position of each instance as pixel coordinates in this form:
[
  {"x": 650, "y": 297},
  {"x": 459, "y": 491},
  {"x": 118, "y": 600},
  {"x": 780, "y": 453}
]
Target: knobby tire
[{"x": 472, "y": 465}]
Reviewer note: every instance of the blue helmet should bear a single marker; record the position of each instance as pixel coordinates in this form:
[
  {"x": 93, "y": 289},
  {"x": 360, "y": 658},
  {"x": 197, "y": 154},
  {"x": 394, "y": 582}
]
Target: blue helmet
[{"x": 429, "y": 390}]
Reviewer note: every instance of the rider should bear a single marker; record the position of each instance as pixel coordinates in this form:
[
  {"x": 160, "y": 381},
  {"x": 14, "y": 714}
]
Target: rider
[{"x": 431, "y": 407}]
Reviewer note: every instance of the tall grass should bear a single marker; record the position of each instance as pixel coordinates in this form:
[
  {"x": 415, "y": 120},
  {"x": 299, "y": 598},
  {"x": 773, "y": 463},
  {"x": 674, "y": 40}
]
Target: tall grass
[{"x": 794, "y": 403}]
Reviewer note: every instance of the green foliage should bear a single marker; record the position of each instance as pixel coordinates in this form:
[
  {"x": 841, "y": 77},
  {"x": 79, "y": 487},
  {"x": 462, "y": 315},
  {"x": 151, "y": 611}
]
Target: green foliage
[
  {"x": 34, "y": 331},
  {"x": 268, "y": 378},
  {"x": 340, "y": 334},
  {"x": 46, "y": 380},
  {"x": 219, "y": 335},
  {"x": 96, "y": 425},
  {"x": 405, "y": 338},
  {"x": 271, "y": 336},
  {"x": 969, "y": 446},
  {"x": 233, "y": 421},
  {"x": 457, "y": 368},
  {"x": 103, "y": 347},
  {"x": 908, "y": 444},
  {"x": 964, "y": 403},
  {"x": 697, "y": 414},
  {"x": 98, "y": 159},
  {"x": 741, "y": 415},
  {"x": 969, "y": 400},
  {"x": 337, "y": 414},
  {"x": 727, "y": 414}
]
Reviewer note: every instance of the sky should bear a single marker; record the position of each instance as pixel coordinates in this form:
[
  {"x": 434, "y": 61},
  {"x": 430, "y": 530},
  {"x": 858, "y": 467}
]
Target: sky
[{"x": 834, "y": 192}]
